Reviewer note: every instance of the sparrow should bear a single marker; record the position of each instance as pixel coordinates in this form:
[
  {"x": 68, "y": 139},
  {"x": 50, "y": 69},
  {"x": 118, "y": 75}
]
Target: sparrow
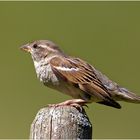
[{"x": 75, "y": 77}]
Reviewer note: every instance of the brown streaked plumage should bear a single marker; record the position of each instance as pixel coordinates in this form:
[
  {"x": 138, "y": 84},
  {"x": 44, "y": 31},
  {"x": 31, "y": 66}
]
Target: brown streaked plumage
[{"x": 75, "y": 77}]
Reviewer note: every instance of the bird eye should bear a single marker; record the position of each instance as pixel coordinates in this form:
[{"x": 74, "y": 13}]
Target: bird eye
[{"x": 35, "y": 46}]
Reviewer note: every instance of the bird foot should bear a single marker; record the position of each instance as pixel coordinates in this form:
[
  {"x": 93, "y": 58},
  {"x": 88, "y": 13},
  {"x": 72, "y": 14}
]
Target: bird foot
[{"x": 77, "y": 103}]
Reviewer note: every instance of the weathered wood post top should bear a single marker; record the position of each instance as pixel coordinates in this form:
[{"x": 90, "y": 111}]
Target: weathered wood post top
[{"x": 63, "y": 122}]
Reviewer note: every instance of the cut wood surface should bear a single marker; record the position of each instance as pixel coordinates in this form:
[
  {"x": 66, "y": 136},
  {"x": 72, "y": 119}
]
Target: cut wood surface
[{"x": 63, "y": 122}]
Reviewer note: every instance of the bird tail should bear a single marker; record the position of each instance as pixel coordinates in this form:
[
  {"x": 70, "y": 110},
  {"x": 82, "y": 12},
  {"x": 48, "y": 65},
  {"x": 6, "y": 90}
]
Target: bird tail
[{"x": 128, "y": 96}]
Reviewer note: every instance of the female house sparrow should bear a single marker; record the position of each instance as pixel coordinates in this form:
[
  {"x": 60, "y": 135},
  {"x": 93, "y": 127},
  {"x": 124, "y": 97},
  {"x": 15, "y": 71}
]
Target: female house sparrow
[{"x": 75, "y": 77}]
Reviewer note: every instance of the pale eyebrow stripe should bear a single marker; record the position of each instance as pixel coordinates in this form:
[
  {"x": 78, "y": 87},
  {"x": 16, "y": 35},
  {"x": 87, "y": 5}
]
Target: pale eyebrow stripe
[{"x": 50, "y": 49}]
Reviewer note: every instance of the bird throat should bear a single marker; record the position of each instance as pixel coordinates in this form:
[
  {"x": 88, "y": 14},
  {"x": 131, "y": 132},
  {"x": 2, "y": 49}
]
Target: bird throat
[{"x": 44, "y": 73}]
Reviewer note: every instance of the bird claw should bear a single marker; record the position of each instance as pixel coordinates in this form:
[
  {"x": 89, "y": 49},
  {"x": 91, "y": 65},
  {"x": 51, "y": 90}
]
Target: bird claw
[{"x": 77, "y": 103}]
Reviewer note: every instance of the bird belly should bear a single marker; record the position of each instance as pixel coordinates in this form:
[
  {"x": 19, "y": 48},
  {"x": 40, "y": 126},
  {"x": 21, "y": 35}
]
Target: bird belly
[{"x": 70, "y": 90}]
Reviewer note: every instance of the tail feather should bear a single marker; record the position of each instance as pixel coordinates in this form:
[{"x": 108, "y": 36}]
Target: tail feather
[{"x": 128, "y": 96}]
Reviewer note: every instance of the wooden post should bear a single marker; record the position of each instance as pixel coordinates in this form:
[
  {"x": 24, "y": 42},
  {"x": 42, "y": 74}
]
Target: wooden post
[{"x": 63, "y": 122}]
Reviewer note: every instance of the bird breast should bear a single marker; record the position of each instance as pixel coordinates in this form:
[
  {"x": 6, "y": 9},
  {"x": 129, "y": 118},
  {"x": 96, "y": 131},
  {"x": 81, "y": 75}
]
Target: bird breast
[{"x": 45, "y": 74}]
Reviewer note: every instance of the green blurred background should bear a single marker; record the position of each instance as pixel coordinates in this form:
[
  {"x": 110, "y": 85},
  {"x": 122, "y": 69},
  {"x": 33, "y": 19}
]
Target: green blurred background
[{"x": 106, "y": 34}]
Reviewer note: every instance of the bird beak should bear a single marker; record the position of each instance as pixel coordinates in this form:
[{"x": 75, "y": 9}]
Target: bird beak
[{"x": 26, "y": 48}]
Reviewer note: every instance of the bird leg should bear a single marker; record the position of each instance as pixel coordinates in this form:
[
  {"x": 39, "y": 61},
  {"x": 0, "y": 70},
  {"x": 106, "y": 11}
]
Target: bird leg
[{"x": 77, "y": 103}]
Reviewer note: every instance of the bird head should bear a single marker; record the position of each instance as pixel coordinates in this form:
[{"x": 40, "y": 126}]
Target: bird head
[{"x": 41, "y": 49}]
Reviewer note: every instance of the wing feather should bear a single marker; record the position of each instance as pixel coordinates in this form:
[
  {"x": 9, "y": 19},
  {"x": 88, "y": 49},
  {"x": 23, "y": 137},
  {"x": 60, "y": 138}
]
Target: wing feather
[{"x": 77, "y": 71}]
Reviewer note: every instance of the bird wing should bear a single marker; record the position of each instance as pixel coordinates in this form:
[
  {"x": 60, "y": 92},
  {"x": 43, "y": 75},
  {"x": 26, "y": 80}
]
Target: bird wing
[{"x": 82, "y": 75}]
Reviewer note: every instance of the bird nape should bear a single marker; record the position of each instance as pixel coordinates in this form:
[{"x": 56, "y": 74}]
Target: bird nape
[{"x": 75, "y": 77}]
